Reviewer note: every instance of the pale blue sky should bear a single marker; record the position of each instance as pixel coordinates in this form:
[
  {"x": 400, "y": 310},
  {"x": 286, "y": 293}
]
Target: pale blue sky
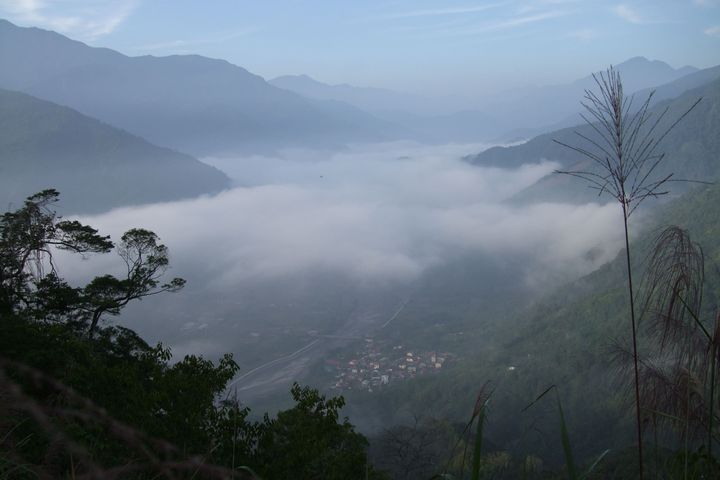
[{"x": 435, "y": 47}]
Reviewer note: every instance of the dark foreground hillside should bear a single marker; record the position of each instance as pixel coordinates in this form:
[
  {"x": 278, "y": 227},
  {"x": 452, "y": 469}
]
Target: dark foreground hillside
[
  {"x": 568, "y": 339},
  {"x": 83, "y": 400}
]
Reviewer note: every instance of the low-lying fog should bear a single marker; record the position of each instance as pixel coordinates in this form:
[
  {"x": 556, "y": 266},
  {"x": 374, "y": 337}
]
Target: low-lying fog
[{"x": 375, "y": 216}]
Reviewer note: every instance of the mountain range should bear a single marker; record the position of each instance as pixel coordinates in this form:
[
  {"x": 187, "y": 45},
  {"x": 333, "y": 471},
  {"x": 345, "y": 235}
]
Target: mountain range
[
  {"x": 94, "y": 166},
  {"x": 191, "y": 103},
  {"x": 692, "y": 148},
  {"x": 516, "y": 113},
  {"x": 209, "y": 107},
  {"x": 541, "y": 106},
  {"x": 206, "y": 107}
]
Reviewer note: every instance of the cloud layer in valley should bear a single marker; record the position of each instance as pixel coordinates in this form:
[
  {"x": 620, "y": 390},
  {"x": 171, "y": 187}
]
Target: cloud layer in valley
[
  {"x": 383, "y": 213},
  {"x": 308, "y": 232}
]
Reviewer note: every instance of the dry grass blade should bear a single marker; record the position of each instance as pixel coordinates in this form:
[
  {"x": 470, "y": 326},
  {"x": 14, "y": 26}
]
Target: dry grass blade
[
  {"x": 564, "y": 434},
  {"x": 626, "y": 161},
  {"x": 479, "y": 411},
  {"x": 672, "y": 287}
]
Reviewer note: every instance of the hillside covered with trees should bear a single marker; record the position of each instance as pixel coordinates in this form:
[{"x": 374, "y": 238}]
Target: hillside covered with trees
[
  {"x": 45, "y": 145},
  {"x": 86, "y": 400}
]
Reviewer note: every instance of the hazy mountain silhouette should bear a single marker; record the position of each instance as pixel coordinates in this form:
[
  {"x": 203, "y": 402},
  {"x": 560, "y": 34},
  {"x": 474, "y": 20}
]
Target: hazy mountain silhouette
[
  {"x": 374, "y": 100},
  {"x": 667, "y": 91},
  {"x": 517, "y": 113},
  {"x": 692, "y": 148},
  {"x": 93, "y": 165},
  {"x": 548, "y": 105},
  {"x": 191, "y": 103}
]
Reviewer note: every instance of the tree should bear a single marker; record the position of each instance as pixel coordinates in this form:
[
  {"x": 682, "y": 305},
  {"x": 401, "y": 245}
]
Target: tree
[
  {"x": 108, "y": 405},
  {"x": 416, "y": 450},
  {"x": 29, "y": 282},
  {"x": 27, "y": 239},
  {"x": 309, "y": 441},
  {"x": 625, "y": 156},
  {"x": 146, "y": 261}
]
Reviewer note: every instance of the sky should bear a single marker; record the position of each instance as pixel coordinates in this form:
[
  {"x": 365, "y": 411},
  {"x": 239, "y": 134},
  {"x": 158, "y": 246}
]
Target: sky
[{"x": 429, "y": 47}]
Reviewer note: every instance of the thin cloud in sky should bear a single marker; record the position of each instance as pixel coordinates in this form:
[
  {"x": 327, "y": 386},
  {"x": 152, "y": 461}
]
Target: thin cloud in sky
[
  {"x": 713, "y": 31},
  {"x": 84, "y": 19},
  {"x": 514, "y": 22},
  {"x": 630, "y": 15},
  {"x": 445, "y": 11},
  {"x": 175, "y": 44}
]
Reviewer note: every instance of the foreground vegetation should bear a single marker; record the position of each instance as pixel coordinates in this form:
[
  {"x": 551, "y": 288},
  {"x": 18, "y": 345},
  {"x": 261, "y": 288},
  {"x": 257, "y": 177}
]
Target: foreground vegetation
[{"x": 84, "y": 400}]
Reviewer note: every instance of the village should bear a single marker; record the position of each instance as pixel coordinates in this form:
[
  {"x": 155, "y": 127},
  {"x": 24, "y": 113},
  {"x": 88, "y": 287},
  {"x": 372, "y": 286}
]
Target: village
[{"x": 378, "y": 364}]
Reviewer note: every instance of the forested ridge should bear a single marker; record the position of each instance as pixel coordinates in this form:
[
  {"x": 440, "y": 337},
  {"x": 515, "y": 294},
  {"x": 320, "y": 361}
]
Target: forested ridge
[{"x": 83, "y": 399}]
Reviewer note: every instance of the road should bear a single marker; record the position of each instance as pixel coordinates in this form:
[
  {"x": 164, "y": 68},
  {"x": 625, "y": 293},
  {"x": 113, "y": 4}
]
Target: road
[
  {"x": 402, "y": 307},
  {"x": 276, "y": 375},
  {"x": 273, "y": 362}
]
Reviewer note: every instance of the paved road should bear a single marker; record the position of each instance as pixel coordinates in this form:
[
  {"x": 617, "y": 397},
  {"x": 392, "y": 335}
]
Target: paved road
[
  {"x": 276, "y": 375},
  {"x": 402, "y": 307},
  {"x": 272, "y": 363}
]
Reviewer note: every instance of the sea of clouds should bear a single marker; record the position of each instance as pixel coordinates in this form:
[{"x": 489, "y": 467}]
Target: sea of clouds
[{"x": 380, "y": 214}]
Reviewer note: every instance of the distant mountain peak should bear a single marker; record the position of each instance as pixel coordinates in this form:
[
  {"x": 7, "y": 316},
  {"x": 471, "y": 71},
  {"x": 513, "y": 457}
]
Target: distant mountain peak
[
  {"x": 638, "y": 59},
  {"x": 644, "y": 62},
  {"x": 640, "y": 72}
]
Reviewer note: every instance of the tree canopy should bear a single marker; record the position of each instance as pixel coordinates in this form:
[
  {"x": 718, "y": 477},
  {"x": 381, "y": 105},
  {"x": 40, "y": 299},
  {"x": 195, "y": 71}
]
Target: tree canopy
[{"x": 108, "y": 405}]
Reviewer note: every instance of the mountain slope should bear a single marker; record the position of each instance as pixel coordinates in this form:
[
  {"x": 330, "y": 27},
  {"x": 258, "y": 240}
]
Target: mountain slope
[
  {"x": 425, "y": 119},
  {"x": 692, "y": 148},
  {"x": 677, "y": 87},
  {"x": 93, "y": 165},
  {"x": 694, "y": 79},
  {"x": 373, "y": 100},
  {"x": 538, "y": 107},
  {"x": 191, "y": 103},
  {"x": 566, "y": 339},
  {"x": 508, "y": 115}
]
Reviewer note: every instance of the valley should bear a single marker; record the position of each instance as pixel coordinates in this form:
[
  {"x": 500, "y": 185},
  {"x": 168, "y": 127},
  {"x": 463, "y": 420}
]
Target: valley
[{"x": 388, "y": 241}]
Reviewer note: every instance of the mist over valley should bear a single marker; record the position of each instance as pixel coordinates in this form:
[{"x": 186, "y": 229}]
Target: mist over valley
[{"x": 404, "y": 240}]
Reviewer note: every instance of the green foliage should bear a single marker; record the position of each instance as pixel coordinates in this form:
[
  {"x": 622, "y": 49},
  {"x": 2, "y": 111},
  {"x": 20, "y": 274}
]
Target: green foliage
[
  {"x": 308, "y": 441},
  {"x": 27, "y": 237},
  {"x": 146, "y": 261},
  {"x": 29, "y": 283},
  {"x": 567, "y": 338},
  {"x": 80, "y": 404}
]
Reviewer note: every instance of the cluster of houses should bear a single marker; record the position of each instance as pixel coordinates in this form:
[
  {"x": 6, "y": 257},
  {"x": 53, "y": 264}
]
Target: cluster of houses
[{"x": 376, "y": 365}]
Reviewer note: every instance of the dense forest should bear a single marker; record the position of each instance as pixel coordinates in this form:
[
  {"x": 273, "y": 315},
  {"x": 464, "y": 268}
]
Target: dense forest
[{"x": 83, "y": 400}]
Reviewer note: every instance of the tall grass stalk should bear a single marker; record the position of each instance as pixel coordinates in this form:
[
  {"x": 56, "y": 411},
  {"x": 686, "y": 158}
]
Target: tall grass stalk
[
  {"x": 564, "y": 435},
  {"x": 479, "y": 414},
  {"x": 477, "y": 447},
  {"x": 623, "y": 148},
  {"x": 565, "y": 439},
  {"x": 679, "y": 380}
]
